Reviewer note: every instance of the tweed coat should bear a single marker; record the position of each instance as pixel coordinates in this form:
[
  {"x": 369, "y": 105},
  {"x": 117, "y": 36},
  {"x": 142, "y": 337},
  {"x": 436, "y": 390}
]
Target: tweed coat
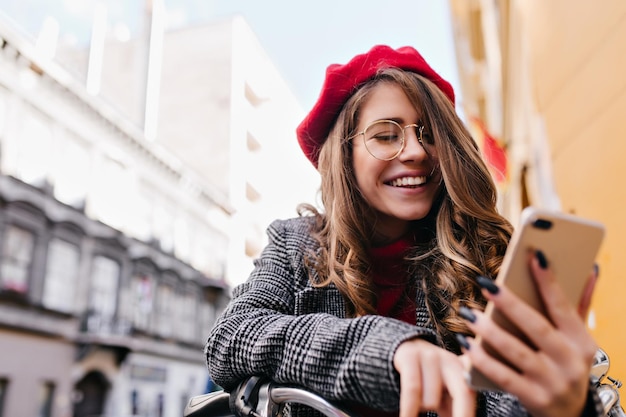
[{"x": 279, "y": 326}]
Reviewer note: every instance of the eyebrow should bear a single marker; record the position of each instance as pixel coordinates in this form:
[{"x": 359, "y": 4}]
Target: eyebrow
[{"x": 400, "y": 121}]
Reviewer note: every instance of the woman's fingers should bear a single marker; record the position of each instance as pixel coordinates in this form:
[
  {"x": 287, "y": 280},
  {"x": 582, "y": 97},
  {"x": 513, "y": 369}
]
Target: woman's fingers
[
  {"x": 500, "y": 348},
  {"x": 552, "y": 389},
  {"x": 432, "y": 382},
  {"x": 410, "y": 380},
  {"x": 504, "y": 376},
  {"x": 545, "y": 332},
  {"x": 525, "y": 322},
  {"x": 463, "y": 398},
  {"x": 410, "y": 396},
  {"x": 431, "y": 379},
  {"x": 546, "y": 359},
  {"x": 444, "y": 387}
]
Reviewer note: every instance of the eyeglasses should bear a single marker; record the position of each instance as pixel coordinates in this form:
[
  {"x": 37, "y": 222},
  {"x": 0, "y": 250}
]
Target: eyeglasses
[{"x": 384, "y": 139}]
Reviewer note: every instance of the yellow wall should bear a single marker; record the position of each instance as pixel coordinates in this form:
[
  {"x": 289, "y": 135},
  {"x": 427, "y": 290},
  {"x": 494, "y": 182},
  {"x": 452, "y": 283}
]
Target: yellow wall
[
  {"x": 562, "y": 62},
  {"x": 578, "y": 71}
]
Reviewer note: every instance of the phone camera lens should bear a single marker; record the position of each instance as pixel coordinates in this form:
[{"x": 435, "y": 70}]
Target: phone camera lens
[{"x": 542, "y": 224}]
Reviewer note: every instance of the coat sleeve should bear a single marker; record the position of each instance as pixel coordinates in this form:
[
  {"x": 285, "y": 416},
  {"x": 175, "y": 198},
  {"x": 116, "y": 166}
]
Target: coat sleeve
[{"x": 260, "y": 334}]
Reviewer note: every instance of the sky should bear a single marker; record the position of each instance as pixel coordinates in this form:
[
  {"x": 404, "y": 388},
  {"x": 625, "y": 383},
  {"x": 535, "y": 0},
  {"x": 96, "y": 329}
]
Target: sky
[{"x": 301, "y": 37}]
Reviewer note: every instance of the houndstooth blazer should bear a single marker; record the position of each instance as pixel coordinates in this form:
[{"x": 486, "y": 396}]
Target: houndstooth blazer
[{"x": 279, "y": 326}]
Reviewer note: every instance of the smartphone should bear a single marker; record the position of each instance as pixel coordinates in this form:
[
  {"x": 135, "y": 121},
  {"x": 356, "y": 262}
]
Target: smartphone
[{"x": 570, "y": 244}]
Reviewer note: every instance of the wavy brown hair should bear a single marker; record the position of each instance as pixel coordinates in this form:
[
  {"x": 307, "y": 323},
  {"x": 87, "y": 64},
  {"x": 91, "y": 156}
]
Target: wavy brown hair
[{"x": 462, "y": 237}]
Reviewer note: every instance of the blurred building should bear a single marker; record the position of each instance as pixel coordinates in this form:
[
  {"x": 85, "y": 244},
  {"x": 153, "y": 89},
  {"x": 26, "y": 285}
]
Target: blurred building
[
  {"x": 105, "y": 301},
  {"x": 104, "y": 307},
  {"x": 210, "y": 95},
  {"x": 137, "y": 177},
  {"x": 232, "y": 118},
  {"x": 544, "y": 82}
]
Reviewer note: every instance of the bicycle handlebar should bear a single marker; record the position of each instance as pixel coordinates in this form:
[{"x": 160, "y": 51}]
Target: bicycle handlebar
[
  {"x": 281, "y": 395},
  {"x": 255, "y": 397}
]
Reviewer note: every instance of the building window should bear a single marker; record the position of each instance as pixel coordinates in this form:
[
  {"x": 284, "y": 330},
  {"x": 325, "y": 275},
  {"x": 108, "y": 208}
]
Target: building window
[
  {"x": 4, "y": 384},
  {"x": 164, "y": 311},
  {"x": 17, "y": 257},
  {"x": 46, "y": 398},
  {"x": 188, "y": 317},
  {"x": 61, "y": 276},
  {"x": 143, "y": 296},
  {"x": 103, "y": 294}
]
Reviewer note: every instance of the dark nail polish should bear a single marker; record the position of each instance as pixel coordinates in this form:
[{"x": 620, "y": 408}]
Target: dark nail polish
[
  {"x": 462, "y": 341},
  {"x": 596, "y": 269},
  {"x": 467, "y": 314},
  {"x": 488, "y": 284},
  {"x": 543, "y": 262}
]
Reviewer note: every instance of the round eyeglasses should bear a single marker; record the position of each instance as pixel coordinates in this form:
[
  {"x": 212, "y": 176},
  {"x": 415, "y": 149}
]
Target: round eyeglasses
[{"x": 384, "y": 139}]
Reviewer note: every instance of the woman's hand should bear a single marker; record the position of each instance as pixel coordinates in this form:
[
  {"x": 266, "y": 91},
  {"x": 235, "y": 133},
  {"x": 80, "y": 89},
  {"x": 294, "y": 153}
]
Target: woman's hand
[
  {"x": 552, "y": 379},
  {"x": 432, "y": 379}
]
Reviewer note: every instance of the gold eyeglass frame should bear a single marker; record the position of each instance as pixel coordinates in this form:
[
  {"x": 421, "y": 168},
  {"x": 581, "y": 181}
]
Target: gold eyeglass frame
[{"x": 419, "y": 127}]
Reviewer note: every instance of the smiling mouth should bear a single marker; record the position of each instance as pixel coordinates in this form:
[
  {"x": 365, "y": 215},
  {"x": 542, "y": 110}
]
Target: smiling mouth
[{"x": 409, "y": 181}]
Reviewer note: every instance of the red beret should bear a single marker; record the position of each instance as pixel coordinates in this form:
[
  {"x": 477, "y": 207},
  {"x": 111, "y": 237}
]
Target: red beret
[{"x": 343, "y": 80}]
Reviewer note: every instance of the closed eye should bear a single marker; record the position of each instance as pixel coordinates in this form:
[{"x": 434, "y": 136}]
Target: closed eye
[{"x": 385, "y": 137}]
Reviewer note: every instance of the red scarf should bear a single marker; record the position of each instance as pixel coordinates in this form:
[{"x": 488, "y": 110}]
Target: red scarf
[
  {"x": 395, "y": 298},
  {"x": 390, "y": 276}
]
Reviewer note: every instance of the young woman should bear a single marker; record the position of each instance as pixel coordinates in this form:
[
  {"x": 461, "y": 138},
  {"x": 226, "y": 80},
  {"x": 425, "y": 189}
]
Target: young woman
[{"x": 374, "y": 300}]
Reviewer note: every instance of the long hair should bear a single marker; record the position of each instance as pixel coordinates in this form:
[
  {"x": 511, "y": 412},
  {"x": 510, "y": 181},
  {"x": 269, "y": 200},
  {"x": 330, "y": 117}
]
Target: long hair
[{"x": 463, "y": 237}]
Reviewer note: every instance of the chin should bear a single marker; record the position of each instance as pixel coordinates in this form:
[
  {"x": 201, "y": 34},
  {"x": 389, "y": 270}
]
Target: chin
[{"x": 413, "y": 216}]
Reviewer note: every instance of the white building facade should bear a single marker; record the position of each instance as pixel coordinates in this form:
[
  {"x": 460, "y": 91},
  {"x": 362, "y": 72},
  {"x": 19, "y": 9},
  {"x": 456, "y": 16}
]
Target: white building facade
[
  {"x": 226, "y": 111},
  {"x": 211, "y": 95},
  {"x": 112, "y": 253},
  {"x": 132, "y": 200}
]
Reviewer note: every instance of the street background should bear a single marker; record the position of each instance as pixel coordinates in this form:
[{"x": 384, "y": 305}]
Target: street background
[{"x": 146, "y": 145}]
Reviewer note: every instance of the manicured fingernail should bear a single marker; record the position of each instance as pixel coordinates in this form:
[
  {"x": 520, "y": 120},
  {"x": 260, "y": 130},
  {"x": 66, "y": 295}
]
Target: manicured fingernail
[
  {"x": 462, "y": 341},
  {"x": 543, "y": 262},
  {"x": 467, "y": 314},
  {"x": 488, "y": 284}
]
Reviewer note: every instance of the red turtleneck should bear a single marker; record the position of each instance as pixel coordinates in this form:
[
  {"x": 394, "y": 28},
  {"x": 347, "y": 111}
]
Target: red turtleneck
[
  {"x": 395, "y": 299},
  {"x": 390, "y": 276}
]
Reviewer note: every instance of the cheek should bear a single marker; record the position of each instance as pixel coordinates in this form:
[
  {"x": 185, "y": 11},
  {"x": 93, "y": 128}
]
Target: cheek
[
  {"x": 363, "y": 171},
  {"x": 431, "y": 150},
  {"x": 367, "y": 174}
]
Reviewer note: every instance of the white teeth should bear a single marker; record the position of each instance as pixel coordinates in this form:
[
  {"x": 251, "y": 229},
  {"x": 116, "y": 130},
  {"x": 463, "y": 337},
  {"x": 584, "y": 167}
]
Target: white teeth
[{"x": 404, "y": 181}]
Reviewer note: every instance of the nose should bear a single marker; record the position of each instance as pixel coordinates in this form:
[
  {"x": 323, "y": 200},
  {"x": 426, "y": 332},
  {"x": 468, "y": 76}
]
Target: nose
[{"x": 413, "y": 149}]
